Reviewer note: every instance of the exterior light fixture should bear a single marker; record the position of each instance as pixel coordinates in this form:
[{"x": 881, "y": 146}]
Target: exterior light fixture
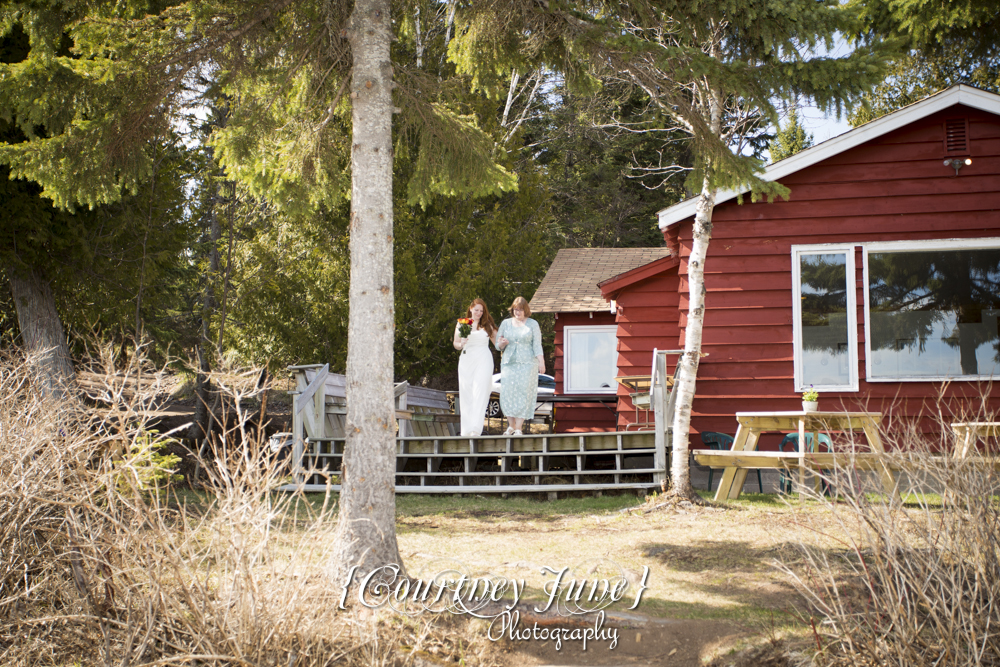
[
  {"x": 614, "y": 307},
  {"x": 957, "y": 163}
]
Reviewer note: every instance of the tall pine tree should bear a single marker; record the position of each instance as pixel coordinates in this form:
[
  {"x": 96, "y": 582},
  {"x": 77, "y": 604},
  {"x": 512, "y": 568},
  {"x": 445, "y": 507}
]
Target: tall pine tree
[
  {"x": 790, "y": 139},
  {"x": 295, "y": 74},
  {"x": 940, "y": 44},
  {"x": 88, "y": 268}
]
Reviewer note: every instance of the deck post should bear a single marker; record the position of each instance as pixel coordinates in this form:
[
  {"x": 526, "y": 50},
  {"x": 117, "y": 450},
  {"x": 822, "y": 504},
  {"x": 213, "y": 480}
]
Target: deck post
[
  {"x": 579, "y": 462},
  {"x": 470, "y": 462},
  {"x": 405, "y": 427},
  {"x": 658, "y": 397},
  {"x": 297, "y": 445},
  {"x": 436, "y": 465},
  {"x": 619, "y": 458},
  {"x": 429, "y": 470},
  {"x": 802, "y": 462},
  {"x": 539, "y": 463}
]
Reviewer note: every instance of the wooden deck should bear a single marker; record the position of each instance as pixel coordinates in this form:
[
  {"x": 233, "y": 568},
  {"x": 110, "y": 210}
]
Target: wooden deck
[
  {"x": 432, "y": 458},
  {"x": 502, "y": 464}
]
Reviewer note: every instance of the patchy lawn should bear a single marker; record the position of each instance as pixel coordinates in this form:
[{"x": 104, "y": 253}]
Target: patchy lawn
[
  {"x": 712, "y": 587},
  {"x": 713, "y": 594}
]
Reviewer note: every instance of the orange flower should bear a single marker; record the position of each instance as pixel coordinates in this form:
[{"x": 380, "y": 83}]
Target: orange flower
[{"x": 464, "y": 327}]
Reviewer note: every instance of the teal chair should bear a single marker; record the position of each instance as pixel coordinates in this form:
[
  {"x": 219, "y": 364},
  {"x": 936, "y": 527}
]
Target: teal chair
[
  {"x": 721, "y": 442},
  {"x": 790, "y": 443}
]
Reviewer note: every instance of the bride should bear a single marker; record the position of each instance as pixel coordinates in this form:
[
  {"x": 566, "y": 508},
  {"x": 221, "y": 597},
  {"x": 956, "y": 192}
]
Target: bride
[{"x": 475, "y": 368}]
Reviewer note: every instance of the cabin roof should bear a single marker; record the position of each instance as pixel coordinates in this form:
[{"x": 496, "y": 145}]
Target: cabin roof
[
  {"x": 571, "y": 284},
  {"x": 610, "y": 287},
  {"x": 959, "y": 94}
]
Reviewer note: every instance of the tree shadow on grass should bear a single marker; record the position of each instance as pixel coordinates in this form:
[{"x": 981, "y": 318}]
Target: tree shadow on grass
[
  {"x": 736, "y": 571},
  {"x": 726, "y": 555}
]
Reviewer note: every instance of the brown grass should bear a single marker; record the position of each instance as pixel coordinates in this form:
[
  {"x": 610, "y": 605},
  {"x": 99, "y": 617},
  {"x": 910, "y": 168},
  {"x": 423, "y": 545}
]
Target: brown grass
[{"x": 99, "y": 565}]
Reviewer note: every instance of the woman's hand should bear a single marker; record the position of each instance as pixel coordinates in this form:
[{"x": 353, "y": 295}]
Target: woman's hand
[
  {"x": 501, "y": 343},
  {"x": 541, "y": 365}
]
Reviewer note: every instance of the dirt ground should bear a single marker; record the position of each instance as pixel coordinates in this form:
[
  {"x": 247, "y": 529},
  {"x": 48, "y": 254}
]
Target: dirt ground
[
  {"x": 714, "y": 594},
  {"x": 641, "y": 641}
]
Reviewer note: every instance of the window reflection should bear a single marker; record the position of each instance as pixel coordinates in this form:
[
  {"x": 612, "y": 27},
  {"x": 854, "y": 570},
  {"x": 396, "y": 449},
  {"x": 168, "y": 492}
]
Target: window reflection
[
  {"x": 935, "y": 313},
  {"x": 825, "y": 354}
]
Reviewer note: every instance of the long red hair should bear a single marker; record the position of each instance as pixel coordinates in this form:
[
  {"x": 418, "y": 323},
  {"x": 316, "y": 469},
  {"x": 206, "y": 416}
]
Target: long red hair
[{"x": 486, "y": 322}]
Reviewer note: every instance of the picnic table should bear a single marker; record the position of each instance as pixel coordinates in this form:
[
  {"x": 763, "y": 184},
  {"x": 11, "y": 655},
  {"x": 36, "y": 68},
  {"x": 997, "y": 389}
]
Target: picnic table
[
  {"x": 752, "y": 424},
  {"x": 968, "y": 432}
]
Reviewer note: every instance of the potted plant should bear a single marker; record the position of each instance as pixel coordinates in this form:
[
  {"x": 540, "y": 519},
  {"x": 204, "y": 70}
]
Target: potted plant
[{"x": 810, "y": 400}]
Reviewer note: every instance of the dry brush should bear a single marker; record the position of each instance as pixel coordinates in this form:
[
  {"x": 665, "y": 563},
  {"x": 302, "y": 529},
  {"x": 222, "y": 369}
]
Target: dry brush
[
  {"x": 918, "y": 582},
  {"x": 103, "y": 563}
]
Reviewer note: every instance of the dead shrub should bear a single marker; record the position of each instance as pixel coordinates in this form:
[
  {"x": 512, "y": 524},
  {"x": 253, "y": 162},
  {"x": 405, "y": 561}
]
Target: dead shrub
[
  {"x": 918, "y": 582},
  {"x": 102, "y": 563}
]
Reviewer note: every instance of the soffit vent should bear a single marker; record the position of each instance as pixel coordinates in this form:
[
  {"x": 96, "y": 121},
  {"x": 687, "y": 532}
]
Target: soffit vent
[{"x": 956, "y": 136}]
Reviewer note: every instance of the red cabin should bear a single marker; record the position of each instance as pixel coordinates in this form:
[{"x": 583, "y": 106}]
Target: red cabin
[
  {"x": 877, "y": 282},
  {"x": 586, "y": 332}
]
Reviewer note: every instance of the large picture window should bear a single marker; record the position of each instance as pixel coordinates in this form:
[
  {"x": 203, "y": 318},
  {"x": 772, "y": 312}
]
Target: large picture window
[
  {"x": 824, "y": 322},
  {"x": 591, "y": 359},
  {"x": 933, "y": 310}
]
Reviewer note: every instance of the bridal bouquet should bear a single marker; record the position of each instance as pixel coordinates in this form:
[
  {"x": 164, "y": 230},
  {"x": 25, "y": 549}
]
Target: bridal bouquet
[{"x": 464, "y": 327}]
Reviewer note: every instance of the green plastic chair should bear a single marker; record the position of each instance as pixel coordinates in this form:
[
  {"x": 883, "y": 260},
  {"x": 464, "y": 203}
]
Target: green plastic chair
[
  {"x": 790, "y": 443},
  {"x": 722, "y": 443}
]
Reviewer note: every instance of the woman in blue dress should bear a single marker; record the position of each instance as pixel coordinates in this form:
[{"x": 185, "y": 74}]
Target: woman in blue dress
[{"x": 520, "y": 340}]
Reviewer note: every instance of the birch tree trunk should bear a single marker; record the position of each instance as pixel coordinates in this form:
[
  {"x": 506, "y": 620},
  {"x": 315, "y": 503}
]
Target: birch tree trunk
[
  {"x": 680, "y": 467},
  {"x": 680, "y": 470},
  {"x": 366, "y": 530},
  {"x": 42, "y": 332}
]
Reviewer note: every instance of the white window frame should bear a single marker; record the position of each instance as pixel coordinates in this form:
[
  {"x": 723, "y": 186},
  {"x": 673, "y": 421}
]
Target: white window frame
[
  {"x": 567, "y": 350},
  {"x": 986, "y": 243},
  {"x": 852, "y": 314}
]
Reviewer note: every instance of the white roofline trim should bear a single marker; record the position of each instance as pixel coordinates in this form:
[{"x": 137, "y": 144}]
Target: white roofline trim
[{"x": 959, "y": 94}]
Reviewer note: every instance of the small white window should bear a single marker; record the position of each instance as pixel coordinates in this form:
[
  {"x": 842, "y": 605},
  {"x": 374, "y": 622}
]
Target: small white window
[
  {"x": 591, "y": 359},
  {"x": 825, "y": 322}
]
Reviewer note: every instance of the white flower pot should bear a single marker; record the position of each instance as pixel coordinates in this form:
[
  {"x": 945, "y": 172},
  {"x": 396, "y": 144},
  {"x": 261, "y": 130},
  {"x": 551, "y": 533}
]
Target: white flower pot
[{"x": 810, "y": 406}]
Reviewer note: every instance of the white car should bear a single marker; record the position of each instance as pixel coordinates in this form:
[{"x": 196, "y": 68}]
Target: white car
[{"x": 546, "y": 386}]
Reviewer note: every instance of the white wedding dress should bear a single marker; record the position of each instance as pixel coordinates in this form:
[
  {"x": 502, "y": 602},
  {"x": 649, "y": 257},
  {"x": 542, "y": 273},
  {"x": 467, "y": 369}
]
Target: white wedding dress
[{"x": 475, "y": 381}]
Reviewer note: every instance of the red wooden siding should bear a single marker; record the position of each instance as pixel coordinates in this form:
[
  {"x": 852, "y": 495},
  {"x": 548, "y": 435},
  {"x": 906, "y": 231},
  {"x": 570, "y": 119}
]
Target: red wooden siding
[
  {"x": 647, "y": 319},
  {"x": 890, "y": 189},
  {"x": 579, "y": 417}
]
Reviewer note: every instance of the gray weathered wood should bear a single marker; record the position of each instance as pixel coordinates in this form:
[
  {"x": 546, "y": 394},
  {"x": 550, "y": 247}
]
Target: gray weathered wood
[
  {"x": 311, "y": 403},
  {"x": 664, "y": 401}
]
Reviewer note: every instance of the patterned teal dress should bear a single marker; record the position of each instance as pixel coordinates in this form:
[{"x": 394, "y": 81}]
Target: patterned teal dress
[{"x": 519, "y": 386}]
